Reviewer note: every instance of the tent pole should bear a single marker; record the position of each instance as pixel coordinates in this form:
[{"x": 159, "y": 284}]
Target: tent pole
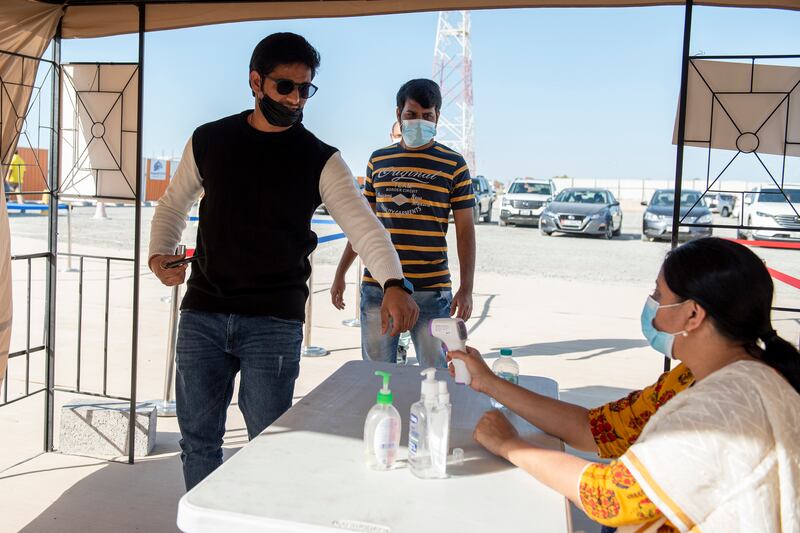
[
  {"x": 676, "y": 209},
  {"x": 53, "y": 179},
  {"x": 137, "y": 240}
]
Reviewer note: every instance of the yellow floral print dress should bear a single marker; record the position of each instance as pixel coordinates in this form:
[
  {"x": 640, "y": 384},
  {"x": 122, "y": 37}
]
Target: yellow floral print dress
[{"x": 609, "y": 493}]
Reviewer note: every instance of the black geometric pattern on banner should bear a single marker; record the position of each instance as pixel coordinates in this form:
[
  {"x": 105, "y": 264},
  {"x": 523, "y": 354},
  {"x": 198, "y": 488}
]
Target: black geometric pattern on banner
[
  {"x": 715, "y": 99},
  {"x": 19, "y": 118},
  {"x": 70, "y": 179}
]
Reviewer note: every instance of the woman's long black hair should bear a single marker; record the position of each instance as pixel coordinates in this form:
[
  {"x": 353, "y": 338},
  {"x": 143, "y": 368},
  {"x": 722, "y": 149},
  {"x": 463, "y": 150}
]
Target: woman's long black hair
[{"x": 734, "y": 287}]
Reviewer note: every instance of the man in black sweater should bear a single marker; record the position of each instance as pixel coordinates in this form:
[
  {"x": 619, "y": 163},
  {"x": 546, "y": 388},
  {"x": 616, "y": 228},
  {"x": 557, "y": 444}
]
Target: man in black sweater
[{"x": 262, "y": 176}]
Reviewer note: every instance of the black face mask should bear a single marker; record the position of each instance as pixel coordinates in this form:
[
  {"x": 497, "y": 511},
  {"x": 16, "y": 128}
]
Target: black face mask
[{"x": 278, "y": 114}]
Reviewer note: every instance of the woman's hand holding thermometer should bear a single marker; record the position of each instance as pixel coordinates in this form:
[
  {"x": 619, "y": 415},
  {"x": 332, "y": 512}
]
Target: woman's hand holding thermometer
[{"x": 453, "y": 334}]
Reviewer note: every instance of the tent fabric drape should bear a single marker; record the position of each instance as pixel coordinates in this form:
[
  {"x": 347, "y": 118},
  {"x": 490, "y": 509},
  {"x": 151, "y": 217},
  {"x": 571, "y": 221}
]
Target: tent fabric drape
[
  {"x": 96, "y": 21},
  {"x": 26, "y": 29},
  {"x": 93, "y": 21}
]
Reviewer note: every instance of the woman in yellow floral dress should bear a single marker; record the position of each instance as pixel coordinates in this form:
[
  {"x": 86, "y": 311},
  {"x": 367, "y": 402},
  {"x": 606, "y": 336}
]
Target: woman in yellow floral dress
[{"x": 713, "y": 445}]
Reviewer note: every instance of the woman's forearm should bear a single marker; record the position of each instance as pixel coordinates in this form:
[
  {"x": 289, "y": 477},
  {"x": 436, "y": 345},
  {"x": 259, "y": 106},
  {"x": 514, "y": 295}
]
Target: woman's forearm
[
  {"x": 566, "y": 421},
  {"x": 558, "y": 470}
]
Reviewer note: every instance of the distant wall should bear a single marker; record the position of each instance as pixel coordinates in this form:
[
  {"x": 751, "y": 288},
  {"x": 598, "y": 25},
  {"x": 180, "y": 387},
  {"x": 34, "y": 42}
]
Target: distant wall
[{"x": 642, "y": 190}]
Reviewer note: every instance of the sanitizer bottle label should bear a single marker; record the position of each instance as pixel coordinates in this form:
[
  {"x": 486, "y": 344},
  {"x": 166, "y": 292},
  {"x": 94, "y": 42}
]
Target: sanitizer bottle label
[
  {"x": 413, "y": 436},
  {"x": 386, "y": 437}
]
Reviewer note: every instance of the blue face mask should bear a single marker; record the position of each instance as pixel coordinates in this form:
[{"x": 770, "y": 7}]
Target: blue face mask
[
  {"x": 661, "y": 341},
  {"x": 418, "y": 132}
]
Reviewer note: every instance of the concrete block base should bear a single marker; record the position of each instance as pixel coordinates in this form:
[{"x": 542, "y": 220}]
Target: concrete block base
[{"x": 100, "y": 429}]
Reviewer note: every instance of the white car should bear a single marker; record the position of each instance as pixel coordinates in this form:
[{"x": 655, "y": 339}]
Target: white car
[
  {"x": 766, "y": 207},
  {"x": 525, "y": 200}
]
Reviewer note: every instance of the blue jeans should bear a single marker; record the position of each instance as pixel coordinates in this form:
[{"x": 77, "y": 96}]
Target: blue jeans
[
  {"x": 212, "y": 348},
  {"x": 383, "y": 348},
  {"x": 9, "y": 189}
]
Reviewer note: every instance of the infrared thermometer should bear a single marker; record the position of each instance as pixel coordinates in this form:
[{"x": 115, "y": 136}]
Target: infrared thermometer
[{"x": 453, "y": 334}]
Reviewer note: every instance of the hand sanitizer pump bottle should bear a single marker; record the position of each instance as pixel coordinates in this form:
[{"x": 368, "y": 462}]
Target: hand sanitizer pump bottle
[
  {"x": 382, "y": 429},
  {"x": 419, "y": 453}
]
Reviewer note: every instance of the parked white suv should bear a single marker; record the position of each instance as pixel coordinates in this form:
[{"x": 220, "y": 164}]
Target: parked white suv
[
  {"x": 525, "y": 200},
  {"x": 766, "y": 207}
]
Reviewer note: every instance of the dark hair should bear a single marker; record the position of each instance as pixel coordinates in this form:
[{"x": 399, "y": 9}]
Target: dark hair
[
  {"x": 283, "y": 49},
  {"x": 734, "y": 287},
  {"x": 423, "y": 91}
]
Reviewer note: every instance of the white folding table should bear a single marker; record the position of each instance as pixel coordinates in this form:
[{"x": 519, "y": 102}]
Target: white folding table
[{"x": 306, "y": 472}]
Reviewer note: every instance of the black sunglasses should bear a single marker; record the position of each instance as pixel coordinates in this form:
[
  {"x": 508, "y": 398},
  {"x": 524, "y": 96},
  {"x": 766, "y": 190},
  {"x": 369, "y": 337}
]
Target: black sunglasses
[{"x": 284, "y": 87}]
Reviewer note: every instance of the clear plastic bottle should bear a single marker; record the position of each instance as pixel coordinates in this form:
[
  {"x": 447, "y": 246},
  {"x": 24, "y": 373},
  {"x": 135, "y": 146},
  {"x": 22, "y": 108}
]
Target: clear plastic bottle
[
  {"x": 419, "y": 453},
  {"x": 506, "y": 368},
  {"x": 402, "y": 348},
  {"x": 382, "y": 429},
  {"x": 439, "y": 431}
]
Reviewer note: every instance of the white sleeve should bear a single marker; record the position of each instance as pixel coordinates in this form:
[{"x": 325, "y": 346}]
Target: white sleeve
[
  {"x": 169, "y": 220},
  {"x": 352, "y": 212}
]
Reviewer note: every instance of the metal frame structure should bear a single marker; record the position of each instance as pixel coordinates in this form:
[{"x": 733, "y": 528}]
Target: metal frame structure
[
  {"x": 70, "y": 179},
  {"x": 447, "y": 64},
  {"x": 52, "y": 258},
  {"x": 48, "y": 345},
  {"x": 28, "y": 349},
  {"x": 22, "y": 115},
  {"x": 692, "y": 62},
  {"x": 687, "y": 61},
  {"x": 54, "y": 179}
]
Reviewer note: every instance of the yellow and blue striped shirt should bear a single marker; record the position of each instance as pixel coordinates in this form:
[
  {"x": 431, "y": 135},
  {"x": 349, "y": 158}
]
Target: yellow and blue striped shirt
[{"x": 414, "y": 191}]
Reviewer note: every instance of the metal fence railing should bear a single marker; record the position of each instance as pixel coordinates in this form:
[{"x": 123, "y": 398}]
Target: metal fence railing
[
  {"x": 18, "y": 389},
  {"x": 28, "y": 350},
  {"x": 78, "y": 389}
]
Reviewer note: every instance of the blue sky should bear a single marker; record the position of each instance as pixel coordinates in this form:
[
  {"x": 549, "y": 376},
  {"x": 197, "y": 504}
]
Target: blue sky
[{"x": 590, "y": 93}]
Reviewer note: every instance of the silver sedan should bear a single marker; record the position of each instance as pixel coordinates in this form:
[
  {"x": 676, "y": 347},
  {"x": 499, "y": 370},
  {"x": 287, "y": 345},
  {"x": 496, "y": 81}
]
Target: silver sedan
[{"x": 584, "y": 211}]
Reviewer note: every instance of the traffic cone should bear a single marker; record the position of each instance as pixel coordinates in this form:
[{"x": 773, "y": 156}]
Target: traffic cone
[{"x": 100, "y": 212}]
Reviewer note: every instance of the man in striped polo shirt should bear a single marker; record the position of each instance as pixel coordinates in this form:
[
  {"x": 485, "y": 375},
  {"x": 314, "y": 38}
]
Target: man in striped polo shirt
[{"x": 413, "y": 185}]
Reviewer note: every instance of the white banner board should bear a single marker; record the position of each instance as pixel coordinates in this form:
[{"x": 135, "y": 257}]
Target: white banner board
[{"x": 99, "y": 115}]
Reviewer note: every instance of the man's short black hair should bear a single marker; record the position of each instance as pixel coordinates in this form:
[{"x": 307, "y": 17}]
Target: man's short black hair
[
  {"x": 283, "y": 49},
  {"x": 423, "y": 91}
]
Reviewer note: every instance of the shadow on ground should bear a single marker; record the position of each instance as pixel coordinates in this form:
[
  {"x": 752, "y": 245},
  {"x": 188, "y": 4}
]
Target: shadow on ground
[
  {"x": 153, "y": 486},
  {"x": 595, "y": 347}
]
